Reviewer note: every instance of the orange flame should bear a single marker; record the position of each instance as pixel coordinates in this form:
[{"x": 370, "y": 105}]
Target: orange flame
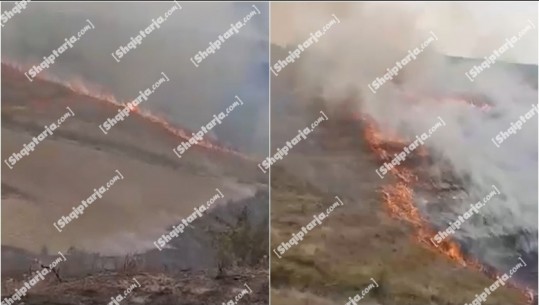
[
  {"x": 81, "y": 87},
  {"x": 398, "y": 197}
]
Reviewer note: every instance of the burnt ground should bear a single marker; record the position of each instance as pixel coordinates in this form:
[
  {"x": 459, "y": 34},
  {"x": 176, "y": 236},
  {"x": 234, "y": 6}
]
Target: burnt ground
[{"x": 155, "y": 288}]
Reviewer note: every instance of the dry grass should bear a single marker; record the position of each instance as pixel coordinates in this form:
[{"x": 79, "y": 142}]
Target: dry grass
[{"x": 359, "y": 241}]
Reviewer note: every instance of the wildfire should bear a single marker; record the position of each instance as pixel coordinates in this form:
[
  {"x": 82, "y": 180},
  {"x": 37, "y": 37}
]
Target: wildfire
[
  {"x": 81, "y": 87},
  {"x": 398, "y": 197},
  {"x": 456, "y": 98}
]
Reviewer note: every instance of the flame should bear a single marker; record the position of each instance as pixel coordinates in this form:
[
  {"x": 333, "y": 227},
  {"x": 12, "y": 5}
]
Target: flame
[
  {"x": 81, "y": 87},
  {"x": 467, "y": 99},
  {"x": 399, "y": 197}
]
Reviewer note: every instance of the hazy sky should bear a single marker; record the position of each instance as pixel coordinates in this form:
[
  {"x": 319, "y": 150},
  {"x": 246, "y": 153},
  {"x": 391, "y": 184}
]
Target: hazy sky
[
  {"x": 474, "y": 29},
  {"x": 471, "y": 29}
]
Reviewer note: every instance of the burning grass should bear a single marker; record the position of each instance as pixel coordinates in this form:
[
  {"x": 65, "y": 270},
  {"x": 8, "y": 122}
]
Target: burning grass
[
  {"x": 364, "y": 239},
  {"x": 81, "y": 87},
  {"x": 399, "y": 196}
]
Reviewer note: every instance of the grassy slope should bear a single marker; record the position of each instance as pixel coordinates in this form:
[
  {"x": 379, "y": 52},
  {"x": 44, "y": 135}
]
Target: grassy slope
[{"x": 358, "y": 241}]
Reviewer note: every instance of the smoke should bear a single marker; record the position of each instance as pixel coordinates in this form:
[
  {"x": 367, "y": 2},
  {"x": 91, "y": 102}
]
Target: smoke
[
  {"x": 193, "y": 95},
  {"x": 371, "y": 37}
]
